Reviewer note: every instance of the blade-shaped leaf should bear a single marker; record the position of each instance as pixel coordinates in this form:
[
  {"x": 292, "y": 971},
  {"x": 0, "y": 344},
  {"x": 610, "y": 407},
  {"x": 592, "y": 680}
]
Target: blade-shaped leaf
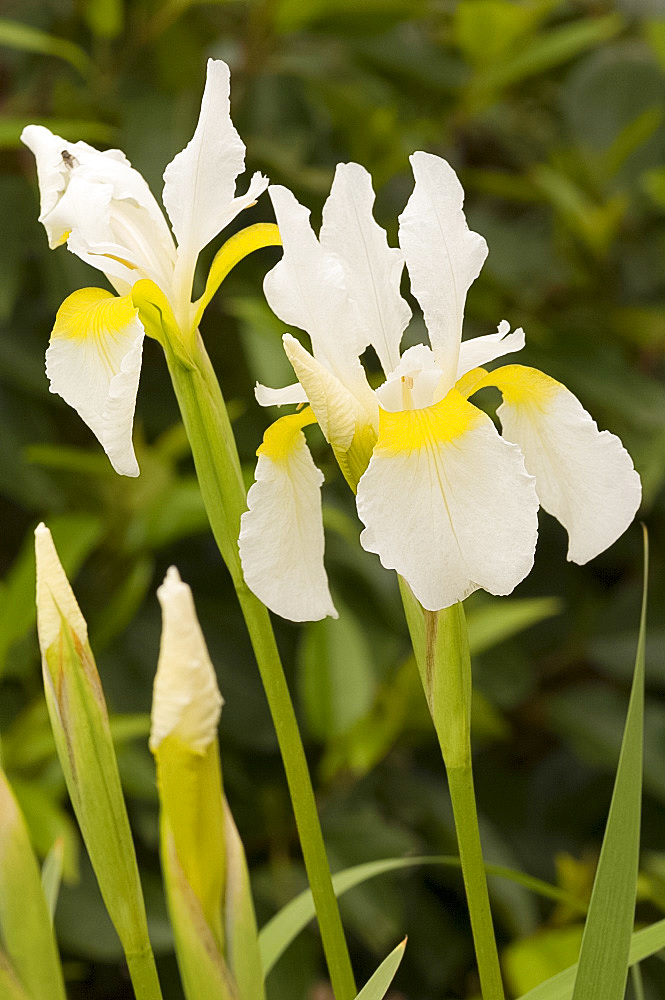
[
  {"x": 643, "y": 944},
  {"x": 603, "y": 963},
  {"x": 25, "y": 926},
  {"x": 284, "y": 927},
  {"x": 377, "y": 987},
  {"x": 52, "y": 874}
]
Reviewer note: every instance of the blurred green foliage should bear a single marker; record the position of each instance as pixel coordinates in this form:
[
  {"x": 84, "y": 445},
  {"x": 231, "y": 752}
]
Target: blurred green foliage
[{"x": 553, "y": 112}]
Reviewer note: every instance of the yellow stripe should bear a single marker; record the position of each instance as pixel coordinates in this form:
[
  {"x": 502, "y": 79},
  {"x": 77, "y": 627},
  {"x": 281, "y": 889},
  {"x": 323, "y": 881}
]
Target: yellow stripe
[
  {"x": 521, "y": 385},
  {"x": 409, "y": 430},
  {"x": 280, "y": 438},
  {"x": 93, "y": 312}
]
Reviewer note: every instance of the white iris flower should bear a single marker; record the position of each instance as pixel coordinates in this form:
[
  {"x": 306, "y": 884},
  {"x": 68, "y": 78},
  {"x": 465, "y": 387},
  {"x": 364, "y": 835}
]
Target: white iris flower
[
  {"x": 104, "y": 211},
  {"x": 445, "y": 499}
]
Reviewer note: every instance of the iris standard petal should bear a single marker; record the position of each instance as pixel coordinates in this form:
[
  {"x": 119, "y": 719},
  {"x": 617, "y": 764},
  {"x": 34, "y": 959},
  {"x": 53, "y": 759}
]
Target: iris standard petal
[
  {"x": 448, "y": 503},
  {"x": 94, "y": 362},
  {"x": 307, "y": 289},
  {"x": 584, "y": 477},
  {"x": 265, "y": 396},
  {"x": 199, "y": 183},
  {"x": 481, "y": 350},
  {"x": 372, "y": 269},
  {"x": 281, "y": 534},
  {"x": 443, "y": 255}
]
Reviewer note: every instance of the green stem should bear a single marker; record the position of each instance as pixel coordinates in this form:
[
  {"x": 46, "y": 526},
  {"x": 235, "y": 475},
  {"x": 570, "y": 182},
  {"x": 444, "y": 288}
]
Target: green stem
[
  {"x": 441, "y": 647},
  {"x": 460, "y": 784},
  {"x": 143, "y": 974},
  {"x": 218, "y": 468}
]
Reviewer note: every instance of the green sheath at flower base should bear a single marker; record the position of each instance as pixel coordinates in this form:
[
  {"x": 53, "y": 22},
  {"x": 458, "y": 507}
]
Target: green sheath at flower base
[
  {"x": 29, "y": 964},
  {"x": 207, "y": 886},
  {"x": 83, "y": 740}
]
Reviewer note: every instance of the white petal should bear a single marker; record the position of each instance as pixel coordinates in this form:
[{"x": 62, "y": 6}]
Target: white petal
[
  {"x": 281, "y": 535},
  {"x": 415, "y": 383},
  {"x": 448, "y": 504},
  {"x": 186, "y": 699},
  {"x": 99, "y": 198},
  {"x": 265, "y": 396},
  {"x": 307, "y": 289},
  {"x": 443, "y": 256},
  {"x": 481, "y": 350},
  {"x": 94, "y": 363},
  {"x": 55, "y": 597},
  {"x": 199, "y": 183},
  {"x": 584, "y": 477},
  {"x": 372, "y": 269}
]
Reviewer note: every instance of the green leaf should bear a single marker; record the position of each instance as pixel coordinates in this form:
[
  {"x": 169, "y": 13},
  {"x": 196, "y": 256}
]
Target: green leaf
[
  {"x": 280, "y": 931},
  {"x": 336, "y": 675},
  {"x": 643, "y": 944},
  {"x": 52, "y": 874},
  {"x": 496, "y": 621},
  {"x": 377, "y": 987},
  {"x": 23, "y": 36},
  {"x": 603, "y": 963},
  {"x": 25, "y": 923}
]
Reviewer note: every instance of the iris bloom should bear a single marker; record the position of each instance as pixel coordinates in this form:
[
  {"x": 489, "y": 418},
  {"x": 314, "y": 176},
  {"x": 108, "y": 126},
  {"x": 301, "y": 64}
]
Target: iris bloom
[
  {"x": 104, "y": 211},
  {"x": 445, "y": 499}
]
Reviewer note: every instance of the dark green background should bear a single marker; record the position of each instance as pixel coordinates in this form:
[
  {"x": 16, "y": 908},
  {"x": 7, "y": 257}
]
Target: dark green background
[{"x": 553, "y": 114}]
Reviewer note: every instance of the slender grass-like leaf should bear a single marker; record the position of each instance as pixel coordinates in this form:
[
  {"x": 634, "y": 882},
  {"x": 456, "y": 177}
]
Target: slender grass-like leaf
[
  {"x": 284, "y": 927},
  {"x": 10, "y": 988},
  {"x": 23, "y": 36},
  {"x": 52, "y": 874},
  {"x": 603, "y": 964},
  {"x": 377, "y": 987},
  {"x": 31, "y": 955},
  {"x": 644, "y": 944}
]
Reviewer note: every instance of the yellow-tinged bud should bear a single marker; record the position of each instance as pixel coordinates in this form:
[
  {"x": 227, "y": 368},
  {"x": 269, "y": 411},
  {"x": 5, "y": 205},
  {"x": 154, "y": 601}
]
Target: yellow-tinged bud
[
  {"x": 55, "y": 597},
  {"x": 186, "y": 699}
]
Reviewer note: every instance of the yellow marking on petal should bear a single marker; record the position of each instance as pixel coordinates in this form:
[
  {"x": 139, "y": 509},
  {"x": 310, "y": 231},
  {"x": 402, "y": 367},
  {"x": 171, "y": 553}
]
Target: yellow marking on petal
[
  {"x": 92, "y": 313},
  {"x": 410, "y": 430},
  {"x": 469, "y": 383},
  {"x": 62, "y": 239},
  {"x": 262, "y": 234},
  {"x": 281, "y": 436},
  {"x": 522, "y": 386}
]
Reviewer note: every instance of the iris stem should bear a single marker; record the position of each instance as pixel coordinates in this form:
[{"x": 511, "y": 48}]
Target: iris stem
[
  {"x": 441, "y": 647},
  {"x": 218, "y": 469}
]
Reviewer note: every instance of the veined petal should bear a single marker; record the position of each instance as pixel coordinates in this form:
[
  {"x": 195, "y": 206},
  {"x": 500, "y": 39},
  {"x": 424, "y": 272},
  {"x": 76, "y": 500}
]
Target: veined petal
[
  {"x": 334, "y": 407},
  {"x": 186, "y": 699},
  {"x": 481, "y": 350},
  {"x": 584, "y": 477},
  {"x": 307, "y": 289},
  {"x": 199, "y": 183},
  {"x": 281, "y": 534},
  {"x": 265, "y": 396},
  {"x": 443, "y": 256},
  {"x": 94, "y": 363},
  {"x": 99, "y": 199},
  {"x": 447, "y": 503},
  {"x": 373, "y": 270}
]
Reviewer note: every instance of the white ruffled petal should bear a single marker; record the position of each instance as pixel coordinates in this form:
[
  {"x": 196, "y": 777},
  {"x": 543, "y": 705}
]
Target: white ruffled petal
[
  {"x": 265, "y": 396},
  {"x": 481, "y": 350},
  {"x": 94, "y": 363},
  {"x": 443, "y": 256},
  {"x": 281, "y": 535},
  {"x": 373, "y": 270},
  {"x": 199, "y": 183},
  {"x": 448, "y": 504},
  {"x": 584, "y": 477},
  {"x": 307, "y": 289},
  {"x": 186, "y": 699}
]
